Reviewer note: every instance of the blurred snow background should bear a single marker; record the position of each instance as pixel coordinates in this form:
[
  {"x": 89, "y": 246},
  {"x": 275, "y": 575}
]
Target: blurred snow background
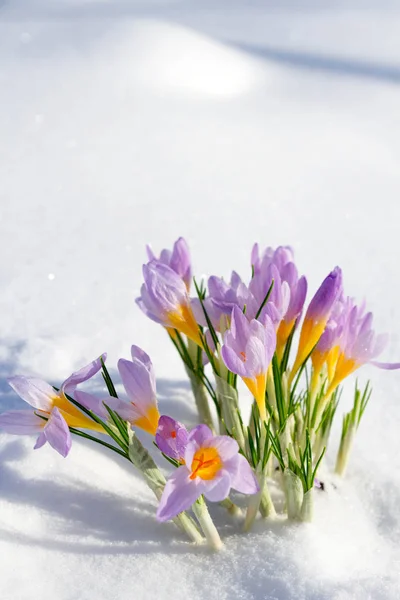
[{"x": 123, "y": 123}]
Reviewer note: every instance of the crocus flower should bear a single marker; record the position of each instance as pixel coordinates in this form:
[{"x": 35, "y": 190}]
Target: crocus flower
[
  {"x": 317, "y": 316},
  {"x": 327, "y": 349},
  {"x": 223, "y": 296},
  {"x": 212, "y": 467},
  {"x": 165, "y": 300},
  {"x": 293, "y": 293},
  {"x": 298, "y": 292},
  {"x": 171, "y": 438},
  {"x": 359, "y": 345},
  {"x": 140, "y": 385},
  {"x": 178, "y": 260},
  {"x": 247, "y": 351},
  {"x": 52, "y": 413}
]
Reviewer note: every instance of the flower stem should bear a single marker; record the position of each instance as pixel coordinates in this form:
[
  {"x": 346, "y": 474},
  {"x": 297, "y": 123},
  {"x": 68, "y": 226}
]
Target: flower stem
[
  {"x": 201, "y": 399},
  {"x": 307, "y": 507},
  {"x": 207, "y": 524},
  {"x": 232, "y": 508},
  {"x": 294, "y": 494},
  {"x": 267, "y": 508},
  {"x": 346, "y": 444},
  {"x": 142, "y": 460},
  {"x": 254, "y": 502}
]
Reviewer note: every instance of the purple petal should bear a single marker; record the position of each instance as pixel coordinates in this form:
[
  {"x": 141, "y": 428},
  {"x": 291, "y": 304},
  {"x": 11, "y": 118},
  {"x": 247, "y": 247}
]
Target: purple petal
[
  {"x": 200, "y": 434},
  {"x": 35, "y": 392},
  {"x": 94, "y": 404},
  {"x": 242, "y": 478},
  {"x": 218, "y": 489},
  {"x": 326, "y": 295},
  {"x": 138, "y": 382},
  {"x": 40, "y": 441},
  {"x": 141, "y": 355},
  {"x": 226, "y": 446},
  {"x": 179, "y": 494},
  {"x": 171, "y": 437},
  {"x": 180, "y": 260},
  {"x": 239, "y": 326},
  {"x": 21, "y": 422},
  {"x": 385, "y": 365},
  {"x": 57, "y": 433},
  {"x": 232, "y": 360},
  {"x": 150, "y": 253},
  {"x": 296, "y": 305},
  {"x": 69, "y": 385}
]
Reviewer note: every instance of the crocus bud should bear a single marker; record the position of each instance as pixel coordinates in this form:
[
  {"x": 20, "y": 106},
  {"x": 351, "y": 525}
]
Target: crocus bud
[
  {"x": 317, "y": 316},
  {"x": 164, "y": 299},
  {"x": 247, "y": 351}
]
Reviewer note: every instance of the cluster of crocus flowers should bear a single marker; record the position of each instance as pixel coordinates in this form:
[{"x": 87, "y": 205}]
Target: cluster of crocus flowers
[{"x": 230, "y": 329}]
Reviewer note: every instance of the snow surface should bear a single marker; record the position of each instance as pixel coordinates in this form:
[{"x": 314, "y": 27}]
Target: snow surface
[{"x": 126, "y": 122}]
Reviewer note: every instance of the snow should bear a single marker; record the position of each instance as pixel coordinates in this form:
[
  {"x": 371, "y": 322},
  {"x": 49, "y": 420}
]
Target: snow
[{"x": 132, "y": 122}]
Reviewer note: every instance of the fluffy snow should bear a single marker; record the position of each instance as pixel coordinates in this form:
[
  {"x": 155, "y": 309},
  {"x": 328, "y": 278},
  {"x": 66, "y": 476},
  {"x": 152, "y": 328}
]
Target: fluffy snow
[{"x": 124, "y": 123}]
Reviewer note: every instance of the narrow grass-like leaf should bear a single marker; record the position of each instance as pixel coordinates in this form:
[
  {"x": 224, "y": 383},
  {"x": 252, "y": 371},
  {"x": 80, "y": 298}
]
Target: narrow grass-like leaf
[{"x": 264, "y": 302}]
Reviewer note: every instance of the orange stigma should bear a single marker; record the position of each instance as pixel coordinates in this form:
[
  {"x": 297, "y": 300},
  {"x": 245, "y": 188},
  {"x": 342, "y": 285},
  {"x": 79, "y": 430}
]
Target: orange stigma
[{"x": 206, "y": 463}]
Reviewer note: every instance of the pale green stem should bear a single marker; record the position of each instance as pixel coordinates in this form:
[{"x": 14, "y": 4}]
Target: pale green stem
[
  {"x": 141, "y": 459},
  {"x": 307, "y": 507},
  {"x": 232, "y": 508},
  {"x": 228, "y": 401},
  {"x": 207, "y": 524},
  {"x": 201, "y": 399},
  {"x": 255, "y": 499},
  {"x": 346, "y": 444},
  {"x": 294, "y": 494},
  {"x": 267, "y": 508}
]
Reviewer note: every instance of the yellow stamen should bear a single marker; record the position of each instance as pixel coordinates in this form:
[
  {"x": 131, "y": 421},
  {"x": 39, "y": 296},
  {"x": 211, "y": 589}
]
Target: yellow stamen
[{"x": 206, "y": 463}]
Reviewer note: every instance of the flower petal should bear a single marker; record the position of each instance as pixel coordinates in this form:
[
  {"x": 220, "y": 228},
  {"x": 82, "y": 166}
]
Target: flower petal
[
  {"x": 226, "y": 446},
  {"x": 138, "y": 382},
  {"x": 179, "y": 494},
  {"x": 21, "y": 422},
  {"x": 40, "y": 441},
  {"x": 94, "y": 404},
  {"x": 243, "y": 479},
  {"x": 57, "y": 433},
  {"x": 69, "y": 385},
  {"x": 220, "y": 488},
  {"x": 35, "y": 392},
  {"x": 142, "y": 356},
  {"x": 385, "y": 365}
]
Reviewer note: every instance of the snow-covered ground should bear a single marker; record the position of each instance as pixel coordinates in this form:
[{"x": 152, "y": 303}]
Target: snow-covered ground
[{"x": 228, "y": 122}]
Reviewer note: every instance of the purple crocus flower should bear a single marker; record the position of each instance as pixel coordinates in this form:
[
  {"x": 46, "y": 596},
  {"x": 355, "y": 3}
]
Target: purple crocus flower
[
  {"x": 223, "y": 296},
  {"x": 358, "y": 345},
  {"x": 279, "y": 298},
  {"x": 140, "y": 385},
  {"x": 178, "y": 260},
  {"x": 291, "y": 289},
  {"x": 247, "y": 351},
  {"x": 328, "y": 347},
  {"x": 52, "y": 413},
  {"x": 317, "y": 315},
  {"x": 212, "y": 467},
  {"x": 165, "y": 300},
  {"x": 171, "y": 438}
]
